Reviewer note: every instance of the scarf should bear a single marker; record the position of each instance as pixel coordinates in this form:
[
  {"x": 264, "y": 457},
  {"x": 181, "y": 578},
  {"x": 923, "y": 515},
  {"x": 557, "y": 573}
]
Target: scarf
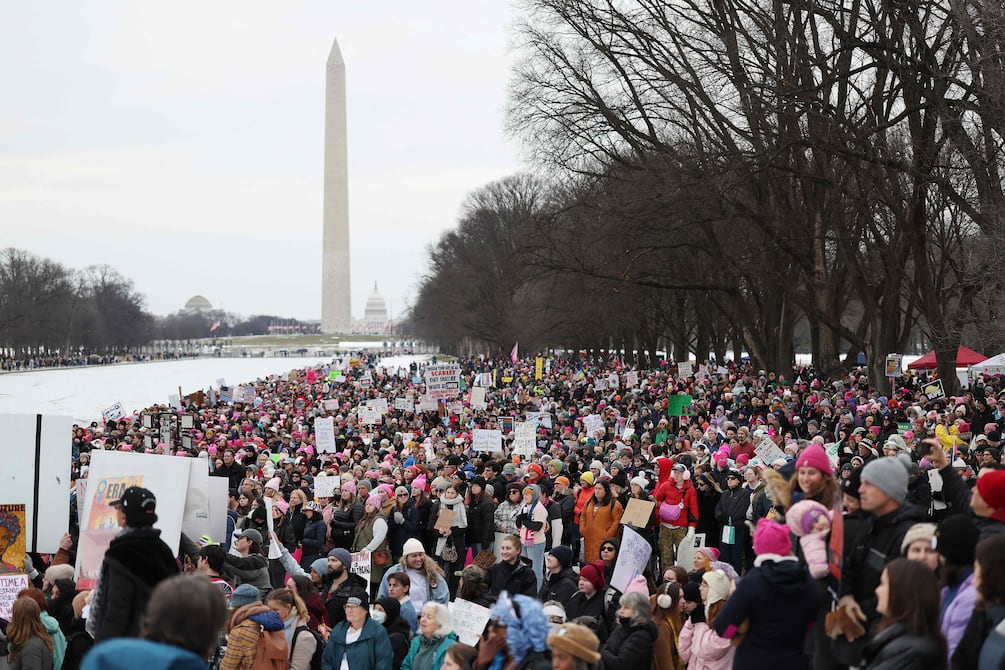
[{"x": 289, "y": 626}]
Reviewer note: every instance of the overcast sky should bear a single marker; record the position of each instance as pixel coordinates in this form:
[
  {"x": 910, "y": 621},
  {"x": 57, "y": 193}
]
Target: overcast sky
[{"x": 181, "y": 142}]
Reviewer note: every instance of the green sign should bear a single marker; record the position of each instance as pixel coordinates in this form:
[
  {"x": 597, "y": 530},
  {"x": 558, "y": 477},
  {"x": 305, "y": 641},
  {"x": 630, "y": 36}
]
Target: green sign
[
  {"x": 679, "y": 405},
  {"x": 903, "y": 428}
]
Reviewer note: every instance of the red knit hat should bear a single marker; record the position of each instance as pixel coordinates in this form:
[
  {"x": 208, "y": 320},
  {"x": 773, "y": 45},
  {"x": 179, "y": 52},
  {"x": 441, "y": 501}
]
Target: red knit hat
[
  {"x": 593, "y": 573},
  {"x": 991, "y": 486},
  {"x": 814, "y": 456}
]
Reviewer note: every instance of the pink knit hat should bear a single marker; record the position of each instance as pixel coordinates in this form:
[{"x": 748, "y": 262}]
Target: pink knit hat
[
  {"x": 638, "y": 585},
  {"x": 772, "y": 538},
  {"x": 374, "y": 501},
  {"x": 814, "y": 456},
  {"x": 273, "y": 484}
]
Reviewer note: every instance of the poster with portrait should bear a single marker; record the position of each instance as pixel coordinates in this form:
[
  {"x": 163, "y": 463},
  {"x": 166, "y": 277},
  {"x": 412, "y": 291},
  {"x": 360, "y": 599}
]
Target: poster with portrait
[{"x": 12, "y": 547}]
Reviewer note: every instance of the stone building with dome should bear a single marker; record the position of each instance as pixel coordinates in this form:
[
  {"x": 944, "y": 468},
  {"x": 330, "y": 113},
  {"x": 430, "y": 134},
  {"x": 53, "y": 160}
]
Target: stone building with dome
[
  {"x": 375, "y": 319},
  {"x": 197, "y": 305}
]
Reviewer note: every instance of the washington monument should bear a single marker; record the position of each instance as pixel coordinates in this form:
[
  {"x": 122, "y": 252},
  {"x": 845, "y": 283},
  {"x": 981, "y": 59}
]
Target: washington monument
[{"x": 336, "y": 312}]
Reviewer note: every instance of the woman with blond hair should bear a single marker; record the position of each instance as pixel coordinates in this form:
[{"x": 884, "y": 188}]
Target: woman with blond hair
[
  {"x": 292, "y": 610},
  {"x": 29, "y": 644}
]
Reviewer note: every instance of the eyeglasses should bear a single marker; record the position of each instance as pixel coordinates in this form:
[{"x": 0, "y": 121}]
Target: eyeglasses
[{"x": 607, "y": 549}]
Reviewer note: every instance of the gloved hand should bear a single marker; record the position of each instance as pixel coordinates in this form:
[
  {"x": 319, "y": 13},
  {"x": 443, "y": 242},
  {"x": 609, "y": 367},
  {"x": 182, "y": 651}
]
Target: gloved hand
[
  {"x": 698, "y": 615},
  {"x": 399, "y": 518},
  {"x": 29, "y": 567}
]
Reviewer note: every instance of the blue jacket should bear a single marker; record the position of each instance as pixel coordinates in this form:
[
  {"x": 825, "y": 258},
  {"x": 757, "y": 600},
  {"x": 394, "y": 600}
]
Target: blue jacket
[
  {"x": 372, "y": 651},
  {"x": 441, "y": 650},
  {"x": 130, "y": 653}
]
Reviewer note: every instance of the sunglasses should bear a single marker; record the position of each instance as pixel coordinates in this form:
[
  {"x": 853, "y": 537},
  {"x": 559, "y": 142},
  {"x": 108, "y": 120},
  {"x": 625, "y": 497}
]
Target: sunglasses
[{"x": 607, "y": 549}]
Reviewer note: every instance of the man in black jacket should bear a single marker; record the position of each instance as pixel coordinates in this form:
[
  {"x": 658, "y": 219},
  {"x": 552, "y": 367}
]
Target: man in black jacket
[
  {"x": 561, "y": 581},
  {"x": 230, "y": 469},
  {"x": 135, "y": 562}
]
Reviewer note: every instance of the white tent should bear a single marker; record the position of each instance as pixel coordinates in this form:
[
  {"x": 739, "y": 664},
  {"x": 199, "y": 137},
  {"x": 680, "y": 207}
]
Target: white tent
[{"x": 992, "y": 366}]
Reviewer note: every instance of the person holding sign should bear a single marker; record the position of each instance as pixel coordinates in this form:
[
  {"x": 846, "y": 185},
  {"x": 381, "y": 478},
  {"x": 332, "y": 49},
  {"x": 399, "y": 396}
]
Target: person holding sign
[
  {"x": 371, "y": 537},
  {"x": 450, "y": 521},
  {"x": 532, "y": 521}
]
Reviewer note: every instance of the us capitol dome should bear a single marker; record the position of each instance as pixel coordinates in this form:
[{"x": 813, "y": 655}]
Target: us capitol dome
[{"x": 375, "y": 317}]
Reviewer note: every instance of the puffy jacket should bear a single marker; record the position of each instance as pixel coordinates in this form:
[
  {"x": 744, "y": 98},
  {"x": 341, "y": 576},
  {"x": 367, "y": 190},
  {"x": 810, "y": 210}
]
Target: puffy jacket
[
  {"x": 629, "y": 646},
  {"x": 560, "y": 587},
  {"x": 481, "y": 525},
  {"x": 314, "y": 541},
  {"x": 732, "y": 506},
  {"x": 596, "y": 524},
  {"x": 671, "y": 495},
  {"x": 958, "y": 612},
  {"x": 442, "y": 644},
  {"x": 131, "y": 653},
  {"x": 513, "y": 579},
  {"x": 585, "y": 493},
  {"x": 372, "y": 651},
  {"x": 894, "y": 649},
  {"x": 703, "y": 649}
]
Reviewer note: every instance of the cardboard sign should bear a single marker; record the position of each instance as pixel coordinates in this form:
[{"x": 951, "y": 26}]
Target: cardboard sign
[
  {"x": 324, "y": 434},
  {"x": 633, "y": 556},
  {"x": 679, "y": 405},
  {"x": 36, "y": 474},
  {"x": 10, "y": 586},
  {"x": 637, "y": 513},
  {"x": 469, "y": 620},
  {"x": 445, "y": 519},
  {"x": 484, "y": 440}
]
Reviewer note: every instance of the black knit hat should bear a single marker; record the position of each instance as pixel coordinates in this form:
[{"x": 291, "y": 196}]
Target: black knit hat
[
  {"x": 692, "y": 593},
  {"x": 956, "y": 538}
]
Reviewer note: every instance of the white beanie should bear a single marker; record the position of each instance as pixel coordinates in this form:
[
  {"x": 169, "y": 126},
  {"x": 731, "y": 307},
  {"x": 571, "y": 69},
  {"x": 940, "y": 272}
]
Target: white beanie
[{"x": 412, "y": 546}]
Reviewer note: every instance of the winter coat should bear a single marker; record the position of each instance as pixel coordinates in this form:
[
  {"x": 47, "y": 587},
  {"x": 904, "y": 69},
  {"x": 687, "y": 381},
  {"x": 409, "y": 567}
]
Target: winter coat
[
  {"x": 407, "y": 529},
  {"x": 584, "y": 496},
  {"x": 596, "y": 524},
  {"x": 129, "y": 654},
  {"x": 481, "y": 523},
  {"x": 513, "y": 579},
  {"x": 560, "y": 586},
  {"x": 442, "y": 644},
  {"x": 343, "y": 524},
  {"x": 438, "y": 590},
  {"x": 666, "y": 655},
  {"x": 780, "y": 599},
  {"x": 313, "y": 542},
  {"x": 894, "y": 649},
  {"x": 992, "y": 652},
  {"x": 251, "y": 569},
  {"x": 732, "y": 506},
  {"x": 35, "y": 655},
  {"x": 629, "y": 646},
  {"x": 668, "y": 495},
  {"x": 703, "y": 649},
  {"x": 335, "y": 601},
  {"x": 136, "y": 561},
  {"x": 372, "y": 651},
  {"x": 595, "y": 607},
  {"x": 814, "y": 546},
  {"x": 957, "y": 613}
]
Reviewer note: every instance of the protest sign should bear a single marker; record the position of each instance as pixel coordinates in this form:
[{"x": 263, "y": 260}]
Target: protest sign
[
  {"x": 445, "y": 519},
  {"x": 361, "y": 565},
  {"x": 593, "y": 423},
  {"x": 542, "y": 419},
  {"x": 195, "y": 520},
  {"x": 12, "y": 548},
  {"x": 768, "y": 452},
  {"x": 524, "y": 442},
  {"x": 329, "y": 405},
  {"x": 443, "y": 380},
  {"x": 37, "y": 453},
  {"x": 368, "y": 417},
  {"x": 483, "y": 379},
  {"x": 324, "y": 434},
  {"x": 686, "y": 550},
  {"x": 892, "y": 366},
  {"x": 484, "y": 440},
  {"x": 631, "y": 379},
  {"x": 469, "y": 620},
  {"x": 685, "y": 369},
  {"x": 112, "y": 472},
  {"x": 600, "y": 384},
  {"x": 613, "y": 381},
  {"x": 633, "y": 556},
  {"x": 113, "y": 412},
  {"x": 934, "y": 390},
  {"x": 679, "y": 405},
  {"x": 404, "y": 404},
  {"x": 426, "y": 404},
  {"x": 478, "y": 398},
  {"x": 325, "y": 486},
  {"x": 637, "y": 512},
  {"x": 218, "y": 492},
  {"x": 275, "y": 552},
  {"x": 378, "y": 404},
  {"x": 10, "y": 586}
]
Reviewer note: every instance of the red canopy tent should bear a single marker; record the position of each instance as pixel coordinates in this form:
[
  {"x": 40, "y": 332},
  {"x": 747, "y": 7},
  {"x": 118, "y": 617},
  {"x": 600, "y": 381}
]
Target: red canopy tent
[{"x": 964, "y": 357}]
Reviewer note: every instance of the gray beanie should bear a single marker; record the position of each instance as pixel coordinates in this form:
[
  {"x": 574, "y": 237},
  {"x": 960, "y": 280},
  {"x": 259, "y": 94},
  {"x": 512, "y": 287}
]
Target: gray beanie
[
  {"x": 345, "y": 558},
  {"x": 245, "y": 594},
  {"x": 888, "y": 475}
]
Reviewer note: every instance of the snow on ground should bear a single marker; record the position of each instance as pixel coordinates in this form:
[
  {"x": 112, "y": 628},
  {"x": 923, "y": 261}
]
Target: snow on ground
[{"x": 82, "y": 393}]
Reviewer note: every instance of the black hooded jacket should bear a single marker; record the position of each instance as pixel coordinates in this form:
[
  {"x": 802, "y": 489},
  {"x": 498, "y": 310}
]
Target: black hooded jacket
[
  {"x": 630, "y": 646},
  {"x": 135, "y": 562},
  {"x": 514, "y": 579},
  {"x": 560, "y": 587}
]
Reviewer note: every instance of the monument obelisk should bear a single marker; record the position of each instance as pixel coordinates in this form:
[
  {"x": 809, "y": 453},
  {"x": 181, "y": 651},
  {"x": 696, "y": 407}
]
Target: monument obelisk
[{"x": 336, "y": 312}]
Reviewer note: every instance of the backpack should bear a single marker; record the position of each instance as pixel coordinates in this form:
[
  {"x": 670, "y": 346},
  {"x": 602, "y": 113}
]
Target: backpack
[
  {"x": 319, "y": 650},
  {"x": 272, "y": 652}
]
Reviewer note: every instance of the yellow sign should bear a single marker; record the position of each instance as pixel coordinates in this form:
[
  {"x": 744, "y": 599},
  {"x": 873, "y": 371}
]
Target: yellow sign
[{"x": 538, "y": 368}]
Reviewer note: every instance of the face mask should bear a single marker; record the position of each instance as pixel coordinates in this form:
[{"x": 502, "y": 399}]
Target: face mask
[{"x": 378, "y": 615}]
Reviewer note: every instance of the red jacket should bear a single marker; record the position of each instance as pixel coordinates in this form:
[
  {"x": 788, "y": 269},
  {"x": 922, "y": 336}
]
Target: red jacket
[{"x": 669, "y": 494}]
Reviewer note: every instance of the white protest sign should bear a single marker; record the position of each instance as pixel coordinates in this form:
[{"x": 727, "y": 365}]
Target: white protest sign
[
  {"x": 368, "y": 416},
  {"x": 468, "y": 620},
  {"x": 218, "y": 497},
  {"x": 455, "y": 407},
  {"x": 329, "y": 405},
  {"x": 484, "y": 440},
  {"x": 238, "y": 394},
  {"x": 478, "y": 398},
  {"x": 275, "y": 553},
  {"x": 361, "y": 565},
  {"x": 633, "y": 556},
  {"x": 483, "y": 379},
  {"x": 36, "y": 474},
  {"x": 175, "y": 401},
  {"x": 632, "y": 379},
  {"x": 524, "y": 442},
  {"x": 600, "y": 384},
  {"x": 768, "y": 452},
  {"x": 378, "y": 404},
  {"x": 195, "y": 521},
  {"x": 443, "y": 380},
  {"x": 613, "y": 381},
  {"x": 593, "y": 423},
  {"x": 324, "y": 434},
  {"x": 404, "y": 404},
  {"x": 113, "y": 412},
  {"x": 685, "y": 369},
  {"x": 325, "y": 486},
  {"x": 10, "y": 586},
  {"x": 542, "y": 419},
  {"x": 685, "y": 552},
  {"x": 426, "y": 404}
]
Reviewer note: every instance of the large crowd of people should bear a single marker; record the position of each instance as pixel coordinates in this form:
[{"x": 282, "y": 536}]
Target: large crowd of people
[{"x": 796, "y": 521}]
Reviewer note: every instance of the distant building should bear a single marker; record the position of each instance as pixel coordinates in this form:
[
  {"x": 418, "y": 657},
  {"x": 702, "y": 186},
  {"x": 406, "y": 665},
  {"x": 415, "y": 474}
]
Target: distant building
[
  {"x": 375, "y": 318},
  {"x": 197, "y": 305}
]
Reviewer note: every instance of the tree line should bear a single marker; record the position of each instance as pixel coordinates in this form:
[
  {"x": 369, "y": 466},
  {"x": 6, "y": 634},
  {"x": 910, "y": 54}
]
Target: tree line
[
  {"x": 47, "y": 308},
  {"x": 707, "y": 176}
]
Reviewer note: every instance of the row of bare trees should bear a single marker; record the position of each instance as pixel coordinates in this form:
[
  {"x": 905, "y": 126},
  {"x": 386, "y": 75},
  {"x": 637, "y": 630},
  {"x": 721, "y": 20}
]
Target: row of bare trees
[{"x": 712, "y": 173}]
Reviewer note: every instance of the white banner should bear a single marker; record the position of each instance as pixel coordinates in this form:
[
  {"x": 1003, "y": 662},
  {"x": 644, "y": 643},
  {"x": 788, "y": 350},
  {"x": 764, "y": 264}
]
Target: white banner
[
  {"x": 633, "y": 556},
  {"x": 486, "y": 440},
  {"x": 324, "y": 434}
]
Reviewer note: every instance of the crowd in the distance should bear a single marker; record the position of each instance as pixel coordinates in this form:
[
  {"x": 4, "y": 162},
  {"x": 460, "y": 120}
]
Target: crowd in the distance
[{"x": 797, "y": 521}]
